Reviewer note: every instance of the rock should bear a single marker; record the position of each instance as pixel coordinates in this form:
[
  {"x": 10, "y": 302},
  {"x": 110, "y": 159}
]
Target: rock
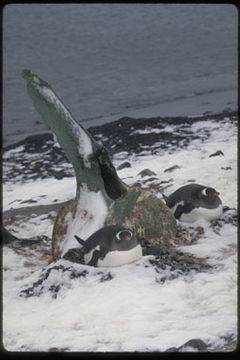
[
  {"x": 124, "y": 165},
  {"x": 74, "y": 255},
  {"x": 146, "y": 172},
  {"x": 137, "y": 184},
  {"x": 217, "y": 153},
  {"x": 30, "y": 201},
  {"x": 55, "y": 349},
  {"x": 194, "y": 344},
  {"x": 150, "y": 180},
  {"x": 59, "y": 278},
  {"x": 9, "y": 238},
  {"x": 226, "y": 168},
  {"x": 172, "y": 168}
]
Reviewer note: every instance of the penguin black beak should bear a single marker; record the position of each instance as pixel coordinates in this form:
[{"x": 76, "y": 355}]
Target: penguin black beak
[
  {"x": 127, "y": 238},
  {"x": 216, "y": 193}
]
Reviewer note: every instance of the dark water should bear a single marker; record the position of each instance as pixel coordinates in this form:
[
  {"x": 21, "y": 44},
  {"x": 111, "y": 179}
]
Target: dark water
[{"x": 110, "y": 60}]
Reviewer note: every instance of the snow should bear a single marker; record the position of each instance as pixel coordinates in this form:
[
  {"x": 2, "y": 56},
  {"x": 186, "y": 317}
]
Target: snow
[
  {"x": 132, "y": 311},
  {"x": 90, "y": 216},
  {"x": 44, "y": 191}
]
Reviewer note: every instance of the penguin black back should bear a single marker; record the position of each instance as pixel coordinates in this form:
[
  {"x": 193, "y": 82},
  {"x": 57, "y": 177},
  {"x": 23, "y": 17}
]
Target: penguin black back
[
  {"x": 111, "y": 246},
  {"x": 193, "y": 201}
]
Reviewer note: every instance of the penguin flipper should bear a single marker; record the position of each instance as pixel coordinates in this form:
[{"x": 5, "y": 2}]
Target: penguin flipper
[
  {"x": 179, "y": 211},
  {"x": 81, "y": 241},
  {"x": 97, "y": 254},
  {"x": 186, "y": 208}
]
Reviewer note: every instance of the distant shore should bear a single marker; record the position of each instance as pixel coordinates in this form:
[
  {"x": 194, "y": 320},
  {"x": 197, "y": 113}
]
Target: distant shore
[
  {"x": 128, "y": 122},
  {"x": 21, "y": 161}
]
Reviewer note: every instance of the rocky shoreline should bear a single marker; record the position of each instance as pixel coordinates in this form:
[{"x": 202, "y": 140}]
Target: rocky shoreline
[{"x": 40, "y": 156}]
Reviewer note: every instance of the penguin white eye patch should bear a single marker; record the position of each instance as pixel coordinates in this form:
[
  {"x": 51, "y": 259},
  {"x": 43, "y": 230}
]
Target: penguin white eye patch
[
  {"x": 204, "y": 192},
  {"x": 124, "y": 235}
]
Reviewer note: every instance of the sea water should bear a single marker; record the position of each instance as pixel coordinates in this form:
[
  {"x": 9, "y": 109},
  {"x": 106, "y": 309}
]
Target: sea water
[{"x": 106, "y": 61}]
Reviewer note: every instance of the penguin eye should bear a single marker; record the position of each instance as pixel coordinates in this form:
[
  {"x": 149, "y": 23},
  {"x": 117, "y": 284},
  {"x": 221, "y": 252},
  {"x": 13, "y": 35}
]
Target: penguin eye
[
  {"x": 124, "y": 235},
  {"x": 204, "y": 192}
]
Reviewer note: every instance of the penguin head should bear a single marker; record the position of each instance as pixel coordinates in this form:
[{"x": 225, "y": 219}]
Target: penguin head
[
  {"x": 124, "y": 235},
  {"x": 209, "y": 194},
  {"x": 125, "y": 239}
]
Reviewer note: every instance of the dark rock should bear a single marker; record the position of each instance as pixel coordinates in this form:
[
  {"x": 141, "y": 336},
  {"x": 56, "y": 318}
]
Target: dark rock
[
  {"x": 75, "y": 255},
  {"x": 172, "y": 168},
  {"x": 217, "y": 153},
  {"x": 124, "y": 165},
  {"x": 229, "y": 216},
  {"x": 146, "y": 172},
  {"x": 169, "y": 257},
  {"x": 105, "y": 277},
  {"x": 30, "y": 201},
  {"x": 150, "y": 179},
  {"x": 59, "y": 175},
  {"x": 8, "y": 238},
  {"x": 41, "y": 285},
  {"x": 55, "y": 349},
  {"x": 53, "y": 283},
  {"x": 137, "y": 184},
  {"x": 195, "y": 344},
  {"x": 172, "y": 349}
]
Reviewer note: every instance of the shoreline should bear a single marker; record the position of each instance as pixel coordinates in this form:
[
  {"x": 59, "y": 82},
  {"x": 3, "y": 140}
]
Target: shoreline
[
  {"x": 137, "y": 122},
  {"x": 199, "y": 104}
]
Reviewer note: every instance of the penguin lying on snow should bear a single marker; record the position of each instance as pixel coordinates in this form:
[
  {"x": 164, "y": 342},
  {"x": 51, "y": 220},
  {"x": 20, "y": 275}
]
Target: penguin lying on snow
[
  {"x": 111, "y": 246},
  {"x": 193, "y": 202}
]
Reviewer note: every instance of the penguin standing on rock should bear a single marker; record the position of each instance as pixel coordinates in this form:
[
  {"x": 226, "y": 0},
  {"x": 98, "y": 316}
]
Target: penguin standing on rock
[
  {"x": 111, "y": 246},
  {"x": 193, "y": 202}
]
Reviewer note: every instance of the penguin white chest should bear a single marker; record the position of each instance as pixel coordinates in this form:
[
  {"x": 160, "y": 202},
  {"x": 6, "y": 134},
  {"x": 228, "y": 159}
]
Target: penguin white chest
[
  {"x": 202, "y": 213},
  {"x": 118, "y": 258}
]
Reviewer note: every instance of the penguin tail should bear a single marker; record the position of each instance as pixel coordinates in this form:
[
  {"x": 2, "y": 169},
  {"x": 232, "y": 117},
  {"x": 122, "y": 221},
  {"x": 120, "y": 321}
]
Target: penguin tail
[{"x": 81, "y": 241}]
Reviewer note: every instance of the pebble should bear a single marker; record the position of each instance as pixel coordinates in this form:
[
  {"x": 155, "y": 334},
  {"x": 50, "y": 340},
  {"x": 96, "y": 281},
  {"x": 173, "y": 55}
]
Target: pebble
[{"x": 124, "y": 165}]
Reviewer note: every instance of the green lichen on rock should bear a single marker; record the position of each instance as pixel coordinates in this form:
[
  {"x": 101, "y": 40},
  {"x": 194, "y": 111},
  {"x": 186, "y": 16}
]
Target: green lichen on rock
[
  {"x": 144, "y": 213},
  {"x": 132, "y": 207}
]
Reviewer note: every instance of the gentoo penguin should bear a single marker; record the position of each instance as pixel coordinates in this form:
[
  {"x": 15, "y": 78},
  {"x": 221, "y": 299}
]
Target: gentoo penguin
[
  {"x": 111, "y": 246},
  {"x": 193, "y": 202}
]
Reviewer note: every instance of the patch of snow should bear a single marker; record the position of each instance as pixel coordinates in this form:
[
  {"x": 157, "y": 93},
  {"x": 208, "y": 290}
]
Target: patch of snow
[
  {"x": 90, "y": 216},
  {"x": 55, "y": 191},
  {"x": 148, "y": 130}
]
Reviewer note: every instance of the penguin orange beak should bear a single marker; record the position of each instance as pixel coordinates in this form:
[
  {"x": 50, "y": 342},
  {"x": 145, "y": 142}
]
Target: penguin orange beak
[
  {"x": 216, "y": 193},
  {"x": 127, "y": 238}
]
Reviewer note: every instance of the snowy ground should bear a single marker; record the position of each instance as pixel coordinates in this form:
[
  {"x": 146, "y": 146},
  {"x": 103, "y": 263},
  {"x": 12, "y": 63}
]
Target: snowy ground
[{"x": 130, "y": 309}]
